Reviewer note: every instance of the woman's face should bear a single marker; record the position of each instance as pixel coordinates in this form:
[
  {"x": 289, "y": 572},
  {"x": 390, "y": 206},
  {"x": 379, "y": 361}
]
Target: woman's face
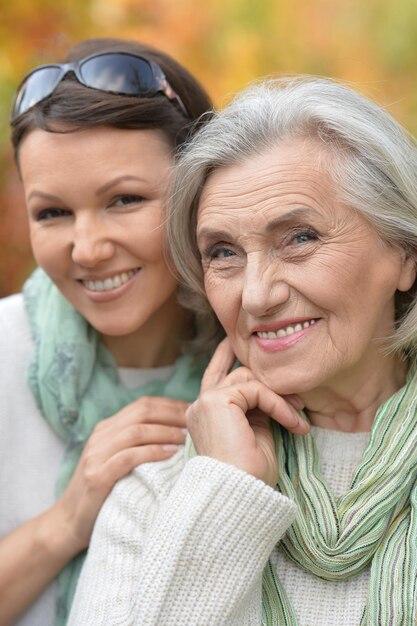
[
  {"x": 96, "y": 203},
  {"x": 302, "y": 284}
]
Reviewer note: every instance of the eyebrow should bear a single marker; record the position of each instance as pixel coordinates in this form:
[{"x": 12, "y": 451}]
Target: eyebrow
[
  {"x": 274, "y": 224},
  {"x": 48, "y": 196},
  {"x": 45, "y": 196},
  {"x": 288, "y": 217},
  {"x": 115, "y": 181}
]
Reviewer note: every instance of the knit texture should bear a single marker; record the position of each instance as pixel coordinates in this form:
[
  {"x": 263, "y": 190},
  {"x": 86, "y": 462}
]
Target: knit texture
[
  {"x": 30, "y": 451},
  {"x": 321, "y": 602},
  {"x": 181, "y": 548},
  {"x": 75, "y": 382},
  {"x": 189, "y": 548},
  {"x": 374, "y": 522}
]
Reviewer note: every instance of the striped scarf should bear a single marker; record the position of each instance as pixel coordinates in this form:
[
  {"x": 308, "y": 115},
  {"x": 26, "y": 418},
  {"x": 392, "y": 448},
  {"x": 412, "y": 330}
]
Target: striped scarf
[{"x": 374, "y": 523}]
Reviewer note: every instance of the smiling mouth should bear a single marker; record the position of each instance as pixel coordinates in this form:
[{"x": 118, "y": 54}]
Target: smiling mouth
[
  {"x": 109, "y": 283},
  {"x": 288, "y": 330}
]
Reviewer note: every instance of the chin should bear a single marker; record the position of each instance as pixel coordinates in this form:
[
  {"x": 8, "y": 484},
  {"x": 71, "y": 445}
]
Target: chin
[
  {"x": 112, "y": 328},
  {"x": 284, "y": 381}
]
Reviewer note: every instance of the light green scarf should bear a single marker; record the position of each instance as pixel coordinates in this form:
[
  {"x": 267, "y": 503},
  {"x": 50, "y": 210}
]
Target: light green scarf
[
  {"x": 75, "y": 383},
  {"x": 375, "y": 523}
]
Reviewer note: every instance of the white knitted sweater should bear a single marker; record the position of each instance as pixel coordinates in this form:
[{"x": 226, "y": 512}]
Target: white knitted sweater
[
  {"x": 30, "y": 452},
  {"x": 186, "y": 546}
]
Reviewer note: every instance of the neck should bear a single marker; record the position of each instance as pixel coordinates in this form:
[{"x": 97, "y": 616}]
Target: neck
[
  {"x": 156, "y": 344},
  {"x": 349, "y": 403}
]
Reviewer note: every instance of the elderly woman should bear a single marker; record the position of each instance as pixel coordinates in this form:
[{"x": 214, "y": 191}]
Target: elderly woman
[{"x": 295, "y": 218}]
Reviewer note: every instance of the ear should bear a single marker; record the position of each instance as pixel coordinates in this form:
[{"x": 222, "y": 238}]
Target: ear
[{"x": 408, "y": 272}]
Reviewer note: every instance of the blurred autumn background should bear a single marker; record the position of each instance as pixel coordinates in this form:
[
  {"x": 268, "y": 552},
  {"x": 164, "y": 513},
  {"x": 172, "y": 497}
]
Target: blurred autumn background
[{"x": 226, "y": 43}]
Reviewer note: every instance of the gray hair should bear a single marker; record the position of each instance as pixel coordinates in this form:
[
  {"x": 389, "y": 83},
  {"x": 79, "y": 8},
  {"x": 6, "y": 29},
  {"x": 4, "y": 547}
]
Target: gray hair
[{"x": 373, "y": 165}]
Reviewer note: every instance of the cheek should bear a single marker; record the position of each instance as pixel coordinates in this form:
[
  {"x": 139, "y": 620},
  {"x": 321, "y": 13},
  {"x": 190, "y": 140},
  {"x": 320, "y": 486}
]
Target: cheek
[
  {"x": 330, "y": 285},
  {"x": 148, "y": 241},
  {"x": 223, "y": 298},
  {"x": 46, "y": 250}
]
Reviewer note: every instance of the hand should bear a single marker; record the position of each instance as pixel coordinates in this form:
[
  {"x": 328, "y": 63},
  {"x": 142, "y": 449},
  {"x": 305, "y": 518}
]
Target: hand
[
  {"x": 230, "y": 421},
  {"x": 148, "y": 429}
]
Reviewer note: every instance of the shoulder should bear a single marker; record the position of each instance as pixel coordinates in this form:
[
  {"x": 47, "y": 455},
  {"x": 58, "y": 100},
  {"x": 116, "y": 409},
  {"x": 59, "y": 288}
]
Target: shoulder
[
  {"x": 141, "y": 492},
  {"x": 128, "y": 512},
  {"x": 15, "y": 330},
  {"x": 151, "y": 480},
  {"x": 16, "y": 348}
]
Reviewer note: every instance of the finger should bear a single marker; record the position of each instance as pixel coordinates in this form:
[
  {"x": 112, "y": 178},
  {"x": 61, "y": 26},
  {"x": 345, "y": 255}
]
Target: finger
[
  {"x": 295, "y": 401},
  {"x": 144, "y": 434},
  {"x": 164, "y": 411},
  {"x": 219, "y": 366},
  {"x": 122, "y": 463},
  {"x": 239, "y": 375},
  {"x": 151, "y": 409},
  {"x": 134, "y": 436},
  {"x": 257, "y": 395}
]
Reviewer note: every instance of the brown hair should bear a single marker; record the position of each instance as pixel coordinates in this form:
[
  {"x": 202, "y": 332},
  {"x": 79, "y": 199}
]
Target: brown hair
[
  {"x": 73, "y": 106},
  {"x": 76, "y": 106}
]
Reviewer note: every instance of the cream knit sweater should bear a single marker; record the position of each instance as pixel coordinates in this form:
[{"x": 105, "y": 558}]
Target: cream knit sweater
[
  {"x": 186, "y": 546},
  {"x": 30, "y": 452}
]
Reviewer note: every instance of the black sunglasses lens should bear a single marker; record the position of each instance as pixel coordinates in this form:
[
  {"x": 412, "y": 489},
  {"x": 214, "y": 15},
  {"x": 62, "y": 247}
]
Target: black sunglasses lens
[
  {"x": 36, "y": 87},
  {"x": 119, "y": 73}
]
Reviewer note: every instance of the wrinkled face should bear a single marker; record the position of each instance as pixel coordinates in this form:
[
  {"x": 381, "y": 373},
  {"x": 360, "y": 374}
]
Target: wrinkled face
[
  {"x": 96, "y": 203},
  {"x": 302, "y": 284}
]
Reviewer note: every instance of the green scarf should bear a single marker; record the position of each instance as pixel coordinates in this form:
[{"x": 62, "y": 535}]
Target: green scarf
[
  {"x": 374, "y": 523},
  {"x": 74, "y": 380}
]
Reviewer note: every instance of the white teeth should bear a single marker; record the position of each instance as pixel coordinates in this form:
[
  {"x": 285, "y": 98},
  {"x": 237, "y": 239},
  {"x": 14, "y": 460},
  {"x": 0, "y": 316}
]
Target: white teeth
[
  {"x": 283, "y": 332},
  {"x": 108, "y": 283}
]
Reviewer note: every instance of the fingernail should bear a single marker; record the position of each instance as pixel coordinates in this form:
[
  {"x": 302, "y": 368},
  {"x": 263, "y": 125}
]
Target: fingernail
[
  {"x": 299, "y": 420},
  {"x": 169, "y": 447},
  {"x": 185, "y": 431},
  {"x": 295, "y": 416},
  {"x": 303, "y": 422}
]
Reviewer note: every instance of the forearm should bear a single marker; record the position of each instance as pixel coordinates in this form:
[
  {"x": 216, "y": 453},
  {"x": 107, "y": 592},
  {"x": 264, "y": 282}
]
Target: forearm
[
  {"x": 194, "y": 557},
  {"x": 107, "y": 588},
  {"x": 30, "y": 558},
  {"x": 209, "y": 544}
]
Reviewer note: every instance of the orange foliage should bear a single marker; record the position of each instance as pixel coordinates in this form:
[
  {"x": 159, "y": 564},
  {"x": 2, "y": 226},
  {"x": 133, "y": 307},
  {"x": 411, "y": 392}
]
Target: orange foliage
[{"x": 226, "y": 43}]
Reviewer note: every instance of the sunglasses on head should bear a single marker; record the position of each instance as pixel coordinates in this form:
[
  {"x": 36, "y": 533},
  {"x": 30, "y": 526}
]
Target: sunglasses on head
[{"x": 113, "y": 72}]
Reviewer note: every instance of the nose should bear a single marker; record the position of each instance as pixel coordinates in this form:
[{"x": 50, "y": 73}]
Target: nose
[
  {"x": 264, "y": 287},
  {"x": 92, "y": 243}
]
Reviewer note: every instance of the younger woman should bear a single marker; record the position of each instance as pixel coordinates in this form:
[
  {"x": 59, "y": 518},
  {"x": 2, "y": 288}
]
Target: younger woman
[{"x": 97, "y": 331}]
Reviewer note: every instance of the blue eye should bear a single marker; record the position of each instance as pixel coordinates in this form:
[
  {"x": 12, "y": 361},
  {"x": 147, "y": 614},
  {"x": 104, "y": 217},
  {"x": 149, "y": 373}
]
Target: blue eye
[
  {"x": 223, "y": 253},
  {"x": 219, "y": 252},
  {"x": 304, "y": 236}
]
